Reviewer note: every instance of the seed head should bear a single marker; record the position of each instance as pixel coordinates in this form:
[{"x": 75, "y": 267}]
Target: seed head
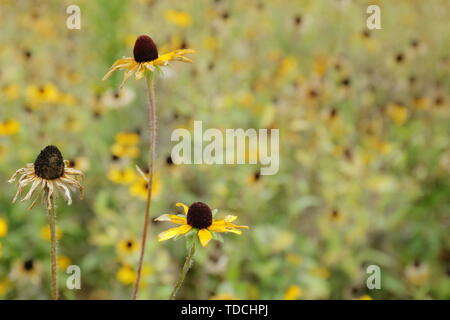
[
  {"x": 199, "y": 215},
  {"x": 145, "y": 49},
  {"x": 49, "y": 164}
]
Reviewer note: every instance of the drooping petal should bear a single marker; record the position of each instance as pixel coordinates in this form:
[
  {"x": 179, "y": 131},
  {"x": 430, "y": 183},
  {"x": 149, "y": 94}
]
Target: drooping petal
[
  {"x": 35, "y": 184},
  {"x": 172, "y": 232},
  {"x": 205, "y": 236},
  {"x": 140, "y": 71},
  {"x": 230, "y": 218},
  {"x": 172, "y": 218},
  {"x": 185, "y": 207},
  {"x": 119, "y": 64},
  {"x": 128, "y": 74},
  {"x": 66, "y": 191}
]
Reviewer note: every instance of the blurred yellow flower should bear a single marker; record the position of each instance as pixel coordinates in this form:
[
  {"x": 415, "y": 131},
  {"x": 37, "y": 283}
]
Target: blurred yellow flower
[
  {"x": 64, "y": 262},
  {"x": 37, "y": 95},
  {"x": 397, "y": 113},
  {"x": 127, "y": 138},
  {"x": 122, "y": 151},
  {"x": 5, "y": 285},
  {"x": 293, "y": 293},
  {"x": 365, "y": 297},
  {"x": 178, "y": 18},
  {"x": 9, "y": 127},
  {"x": 140, "y": 187},
  {"x": 3, "y": 227},
  {"x": 126, "y": 275},
  {"x": 11, "y": 91},
  {"x": 294, "y": 258},
  {"x": 127, "y": 246},
  {"x": 45, "y": 233},
  {"x": 321, "y": 272},
  {"x": 122, "y": 176}
]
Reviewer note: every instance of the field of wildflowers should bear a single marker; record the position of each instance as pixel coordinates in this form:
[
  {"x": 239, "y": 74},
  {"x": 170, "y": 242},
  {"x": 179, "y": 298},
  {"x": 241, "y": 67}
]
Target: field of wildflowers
[{"x": 364, "y": 149}]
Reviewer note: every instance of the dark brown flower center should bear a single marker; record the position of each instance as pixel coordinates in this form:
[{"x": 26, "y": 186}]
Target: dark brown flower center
[
  {"x": 49, "y": 164},
  {"x": 199, "y": 215},
  {"x": 145, "y": 49},
  {"x": 28, "y": 265}
]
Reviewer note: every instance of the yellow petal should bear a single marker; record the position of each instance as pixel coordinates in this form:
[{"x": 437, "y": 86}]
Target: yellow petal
[
  {"x": 185, "y": 207},
  {"x": 128, "y": 74},
  {"x": 121, "y": 63},
  {"x": 230, "y": 218},
  {"x": 204, "y": 236},
  {"x": 140, "y": 71},
  {"x": 172, "y": 232},
  {"x": 172, "y": 218}
]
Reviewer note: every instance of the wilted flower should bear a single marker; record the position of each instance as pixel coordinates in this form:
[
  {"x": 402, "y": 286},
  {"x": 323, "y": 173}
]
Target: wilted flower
[{"x": 48, "y": 173}]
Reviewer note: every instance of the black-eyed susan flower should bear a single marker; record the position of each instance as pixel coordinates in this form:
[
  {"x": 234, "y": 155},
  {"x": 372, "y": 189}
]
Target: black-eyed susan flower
[
  {"x": 9, "y": 127},
  {"x": 198, "y": 217},
  {"x": 127, "y": 246},
  {"x": 126, "y": 275},
  {"x": 27, "y": 270},
  {"x": 48, "y": 173},
  {"x": 146, "y": 57}
]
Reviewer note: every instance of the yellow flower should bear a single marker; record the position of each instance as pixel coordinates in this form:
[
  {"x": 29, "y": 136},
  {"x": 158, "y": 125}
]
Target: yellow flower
[
  {"x": 122, "y": 176},
  {"x": 200, "y": 218},
  {"x": 365, "y": 297},
  {"x": 127, "y": 138},
  {"x": 37, "y": 95},
  {"x": 5, "y": 285},
  {"x": 45, "y": 233},
  {"x": 127, "y": 246},
  {"x": 178, "y": 18},
  {"x": 11, "y": 91},
  {"x": 9, "y": 127},
  {"x": 64, "y": 262},
  {"x": 321, "y": 272},
  {"x": 140, "y": 186},
  {"x": 123, "y": 150},
  {"x": 3, "y": 227},
  {"x": 126, "y": 275},
  {"x": 397, "y": 113},
  {"x": 145, "y": 57},
  {"x": 293, "y": 293}
]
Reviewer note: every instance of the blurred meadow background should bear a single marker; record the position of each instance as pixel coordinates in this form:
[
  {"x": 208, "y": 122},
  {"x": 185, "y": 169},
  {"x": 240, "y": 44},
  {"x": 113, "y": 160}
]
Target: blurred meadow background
[{"x": 364, "y": 146}]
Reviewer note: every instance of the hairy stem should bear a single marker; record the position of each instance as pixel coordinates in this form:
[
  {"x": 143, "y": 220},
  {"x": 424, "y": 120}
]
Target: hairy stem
[
  {"x": 152, "y": 146},
  {"x": 54, "y": 247},
  {"x": 184, "y": 271}
]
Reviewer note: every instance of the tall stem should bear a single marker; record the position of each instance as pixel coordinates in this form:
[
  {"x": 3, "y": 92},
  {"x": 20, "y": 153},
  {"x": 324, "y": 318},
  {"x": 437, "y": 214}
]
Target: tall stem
[
  {"x": 184, "y": 271},
  {"x": 54, "y": 250},
  {"x": 152, "y": 145}
]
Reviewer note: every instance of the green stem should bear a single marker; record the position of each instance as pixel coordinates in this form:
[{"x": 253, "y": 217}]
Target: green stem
[
  {"x": 54, "y": 248},
  {"x": 184, "y": 271},
  {"x": 152, "y": 129}
]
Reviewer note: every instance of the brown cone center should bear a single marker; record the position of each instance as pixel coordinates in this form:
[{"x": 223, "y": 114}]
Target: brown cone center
[
  {"x": 49, "y": 164},
  {"x": 145, "y": 49},
  {"x": 199, "y": 215}
]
